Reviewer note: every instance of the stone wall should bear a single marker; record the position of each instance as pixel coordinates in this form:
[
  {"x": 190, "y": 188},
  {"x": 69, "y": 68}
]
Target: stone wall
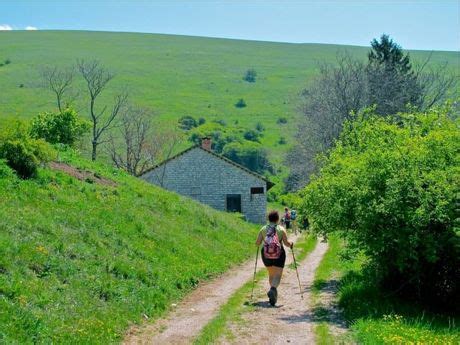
[{"x": 208, "y": 179}]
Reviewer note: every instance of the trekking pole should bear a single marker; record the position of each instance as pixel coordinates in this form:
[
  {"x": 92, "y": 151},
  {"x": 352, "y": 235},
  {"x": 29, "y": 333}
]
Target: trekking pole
[
  {"x": 298, "y": 279},
  {"x": 255, "y": 269}
]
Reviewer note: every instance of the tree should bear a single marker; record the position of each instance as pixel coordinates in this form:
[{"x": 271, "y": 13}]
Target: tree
[
  {"x": 96, "y": 78},
  {"x": 392, "y": 82},
  {"x": 64, "y": 127},
  {"x": 250, "y": 75},
  {"x": 389, "y": 186},
  {"x": 388, "y": 82},
  {"x": 59, "y": 81},
  {"x": 133, "y": 153}
]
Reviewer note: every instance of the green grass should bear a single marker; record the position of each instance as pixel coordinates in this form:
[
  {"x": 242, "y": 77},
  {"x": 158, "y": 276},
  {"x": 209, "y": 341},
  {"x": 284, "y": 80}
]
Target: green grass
[
  {"x": 179, "y": 75},
  {"x": 234, "y": 308},
  {"x": 374, "y": 316},
  {"x": 80, "y": 262}
]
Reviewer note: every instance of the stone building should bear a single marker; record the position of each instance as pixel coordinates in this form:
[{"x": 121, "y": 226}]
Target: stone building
[{"x": 214, "y": 180}]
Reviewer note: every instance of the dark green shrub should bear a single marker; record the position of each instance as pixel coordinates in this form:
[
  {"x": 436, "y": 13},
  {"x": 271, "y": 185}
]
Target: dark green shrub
[
  {"x": 201, "y": 121},
  {"x": 390, "y": 187},
  {"x": 24, "y": 156},
  {"x": 250, "y": 75},
  {"x": 260, "y": 127},
  {"x": 7, "y": 61},
  {"x": 251, "y": 135},
  {"x": 249, "y": 154},
  {"x": 59, "y": 128},
  {"x": 187, "y": 123},
  {"x": 282, "y": 141},
  {"x": 240, "y": 104},
  {"x": 281, "y": 120},
  {"x": 5, "y": 170}
]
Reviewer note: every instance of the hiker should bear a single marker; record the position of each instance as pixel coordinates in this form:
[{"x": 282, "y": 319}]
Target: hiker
[
  {"x": 287, "y": 218},
  {"x": 273, "y": 254}
]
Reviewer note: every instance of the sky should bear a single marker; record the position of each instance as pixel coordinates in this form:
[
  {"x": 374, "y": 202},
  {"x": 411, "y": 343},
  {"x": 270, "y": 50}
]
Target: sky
[{"x": 427, "y": 25}]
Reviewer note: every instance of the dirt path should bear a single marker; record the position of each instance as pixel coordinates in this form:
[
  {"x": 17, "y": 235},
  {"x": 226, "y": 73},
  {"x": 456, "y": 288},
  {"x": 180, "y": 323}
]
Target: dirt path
[
  {"x": 195, "y": 311},
  {"x": 292, "y": 320}
]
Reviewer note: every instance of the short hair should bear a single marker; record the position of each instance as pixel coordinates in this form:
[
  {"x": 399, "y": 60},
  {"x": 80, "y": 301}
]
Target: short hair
[{"x": 273, "y": 216}]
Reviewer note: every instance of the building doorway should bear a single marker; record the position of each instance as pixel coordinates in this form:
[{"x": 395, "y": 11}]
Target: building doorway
[{"x": 234, "y": 203}]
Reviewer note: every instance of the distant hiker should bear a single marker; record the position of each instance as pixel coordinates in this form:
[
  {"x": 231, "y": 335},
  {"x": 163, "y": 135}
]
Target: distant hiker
[
  {"x": 287, "y": 218},
  {"x": 273, "y": 254}
]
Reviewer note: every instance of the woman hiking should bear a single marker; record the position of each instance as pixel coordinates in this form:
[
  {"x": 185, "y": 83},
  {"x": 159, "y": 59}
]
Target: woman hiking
[{"x": 273, "y": 254}]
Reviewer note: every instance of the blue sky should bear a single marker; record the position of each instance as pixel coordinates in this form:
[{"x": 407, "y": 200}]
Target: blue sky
[{"x": 431, "y": 25}]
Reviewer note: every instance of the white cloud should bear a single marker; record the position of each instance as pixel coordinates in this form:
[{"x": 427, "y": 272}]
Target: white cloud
[
  {"x": 5, "y": 27},
  {"x": 31, "y": 28}
]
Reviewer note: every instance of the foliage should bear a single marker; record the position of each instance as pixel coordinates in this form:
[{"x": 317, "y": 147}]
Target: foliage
[
  {"x": 389, "y": 186},
  {"x": 252, "y": 135},
  {"x": 250, "y": 75},
  {"x": 241, "y": 103},
  {"x": 59, "y": 128},
  {"x": 22, "y": 153},
  {"x": 60, "y": 281},
  {"x": 281, "y": 120},
  {"x": 201, "y": 121},
  {"x": 260, "y": 127},
  {"x": 388, "y": 81},
  {"x": 282, "y": 141},
  {"x": 249, "y": 154},
  {"x": 187, "y": 123}
]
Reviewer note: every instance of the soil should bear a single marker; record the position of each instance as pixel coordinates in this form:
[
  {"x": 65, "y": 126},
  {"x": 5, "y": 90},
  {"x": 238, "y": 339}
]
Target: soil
[{"x": 80, "y": 174}]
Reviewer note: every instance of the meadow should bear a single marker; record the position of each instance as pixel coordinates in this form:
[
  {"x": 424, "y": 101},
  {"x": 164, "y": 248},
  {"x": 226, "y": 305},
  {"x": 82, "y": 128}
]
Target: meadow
[
  {"x": 179, "y": 75},
  {"x": 82, "y": 261}
]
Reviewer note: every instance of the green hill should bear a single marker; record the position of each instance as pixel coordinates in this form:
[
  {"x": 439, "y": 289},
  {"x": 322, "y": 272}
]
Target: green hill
[
  {"x": 179, "y": 75},
  {"x": 83, "y": 258}
]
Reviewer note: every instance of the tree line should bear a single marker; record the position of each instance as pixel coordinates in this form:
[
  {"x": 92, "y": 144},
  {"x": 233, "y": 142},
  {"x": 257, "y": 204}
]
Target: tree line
[{"x": 388, "y": 80}]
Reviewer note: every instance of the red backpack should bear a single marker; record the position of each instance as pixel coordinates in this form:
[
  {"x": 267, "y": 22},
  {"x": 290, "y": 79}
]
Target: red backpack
[{"x": 272, "y": 244}]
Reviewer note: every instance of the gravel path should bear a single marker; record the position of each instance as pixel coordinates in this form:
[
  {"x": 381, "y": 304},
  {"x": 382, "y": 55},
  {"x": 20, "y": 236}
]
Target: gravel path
[
  {"x": 187, "y": 319},
  {"x": 292, "y": 320}
]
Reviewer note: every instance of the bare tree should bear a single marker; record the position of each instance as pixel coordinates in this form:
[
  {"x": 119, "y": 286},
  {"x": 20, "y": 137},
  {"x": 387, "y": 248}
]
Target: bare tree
[
  {"x": 338, "y": 91},
  {"x": 97, "y": 77},
  {"x": 349, "y": 86},
  {"x": 163, "y": 147},
  {"x": 59, "y": 81},
  {"x": 132, "y": 152}
]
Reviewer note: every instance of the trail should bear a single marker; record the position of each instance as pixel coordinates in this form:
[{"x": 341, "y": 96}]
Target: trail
[
  {"x": 292, "y": 320},
  {"x": 195, "y": 311}
]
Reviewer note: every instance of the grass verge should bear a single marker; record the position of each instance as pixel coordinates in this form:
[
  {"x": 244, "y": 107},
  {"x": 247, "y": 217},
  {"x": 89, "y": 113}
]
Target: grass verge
[
  {"x": 81, "y": 261},
  {"x": 374, "y": 316},
  {"x": 235, "y": 306}
]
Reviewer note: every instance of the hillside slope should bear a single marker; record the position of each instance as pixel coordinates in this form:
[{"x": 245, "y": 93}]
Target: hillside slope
[
  {"x": 179, "y": 75},
  {"x": 83, "y": 259}
]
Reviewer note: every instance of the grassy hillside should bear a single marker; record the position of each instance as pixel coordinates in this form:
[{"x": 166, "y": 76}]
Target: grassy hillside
[
  {"x": 178, "y": 75},
  {"x": 80, "y": 261}
]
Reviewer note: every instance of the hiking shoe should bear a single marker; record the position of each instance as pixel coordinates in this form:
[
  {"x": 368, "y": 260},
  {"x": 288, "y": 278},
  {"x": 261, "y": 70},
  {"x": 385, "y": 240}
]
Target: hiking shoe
[{"x": 272, "y": 296}]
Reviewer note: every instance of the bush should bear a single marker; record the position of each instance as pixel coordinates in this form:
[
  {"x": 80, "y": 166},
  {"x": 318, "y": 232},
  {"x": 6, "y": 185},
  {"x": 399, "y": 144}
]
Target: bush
[
  {"x": 389, "y": 186},
  {"x": 260, "y": 127},
  {"x": 59, "y": 128},
  {"x": 282, "y": 141},
  {"x": 250, "y": 155},
  {"x": 251, "y": 135},
  {"x": 187, "y": 123},
  {"x": 281, "y": 120},
  {"x": 201, "y": 121},
  {"x": 25, "y": 156},
  {"x": 250, "y": 75},
  {"x": 240, "y": 104}
]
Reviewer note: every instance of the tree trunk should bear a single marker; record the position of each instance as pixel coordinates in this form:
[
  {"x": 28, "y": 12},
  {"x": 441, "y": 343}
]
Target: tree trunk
[{"x": 93, "y": 154}]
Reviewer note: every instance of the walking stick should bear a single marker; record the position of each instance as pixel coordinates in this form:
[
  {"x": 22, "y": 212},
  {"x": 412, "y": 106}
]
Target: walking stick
[
  {"x": 298, "y": 279},
  {"x": 255, "y": 269}
]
